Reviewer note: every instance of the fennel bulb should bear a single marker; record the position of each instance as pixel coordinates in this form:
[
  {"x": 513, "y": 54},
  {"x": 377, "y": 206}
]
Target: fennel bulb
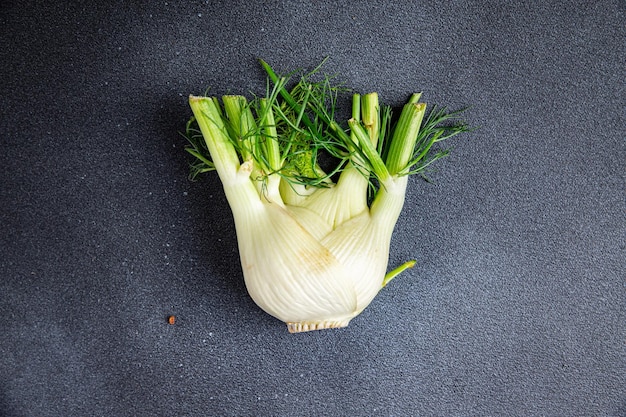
[{"x": 313, "y": 251}]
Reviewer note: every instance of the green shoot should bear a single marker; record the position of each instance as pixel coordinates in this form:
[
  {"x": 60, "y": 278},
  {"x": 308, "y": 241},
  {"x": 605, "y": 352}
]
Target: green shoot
[{"x": 291, "y": 128}]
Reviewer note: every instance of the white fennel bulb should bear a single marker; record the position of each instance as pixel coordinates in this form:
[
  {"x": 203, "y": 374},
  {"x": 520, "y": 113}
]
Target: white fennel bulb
[{"x": 313, "y": 252}]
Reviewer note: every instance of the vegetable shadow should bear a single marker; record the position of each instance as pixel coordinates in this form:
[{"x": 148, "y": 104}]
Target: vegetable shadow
[{"x": 207, "y": 224}]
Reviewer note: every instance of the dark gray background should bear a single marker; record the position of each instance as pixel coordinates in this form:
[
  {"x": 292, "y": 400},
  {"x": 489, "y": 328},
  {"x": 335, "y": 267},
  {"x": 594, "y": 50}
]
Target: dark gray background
[{"x": 517, "y": 303}]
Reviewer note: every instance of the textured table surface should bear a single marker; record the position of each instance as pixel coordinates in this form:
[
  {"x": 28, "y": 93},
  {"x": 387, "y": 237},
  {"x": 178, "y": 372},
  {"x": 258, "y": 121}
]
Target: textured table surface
[{"x": 516, "y": 305}]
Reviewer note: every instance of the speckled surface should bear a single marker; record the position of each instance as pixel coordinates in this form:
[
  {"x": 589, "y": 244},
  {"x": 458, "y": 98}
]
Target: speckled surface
[{"x": 516, "y": 305}]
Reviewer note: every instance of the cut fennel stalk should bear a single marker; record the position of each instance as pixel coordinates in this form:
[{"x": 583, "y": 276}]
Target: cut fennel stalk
[{"x": 314, "y": 248}]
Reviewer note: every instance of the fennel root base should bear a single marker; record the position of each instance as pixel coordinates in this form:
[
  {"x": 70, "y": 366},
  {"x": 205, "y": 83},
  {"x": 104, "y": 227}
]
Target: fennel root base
[{"x": 317, "y": 325}]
